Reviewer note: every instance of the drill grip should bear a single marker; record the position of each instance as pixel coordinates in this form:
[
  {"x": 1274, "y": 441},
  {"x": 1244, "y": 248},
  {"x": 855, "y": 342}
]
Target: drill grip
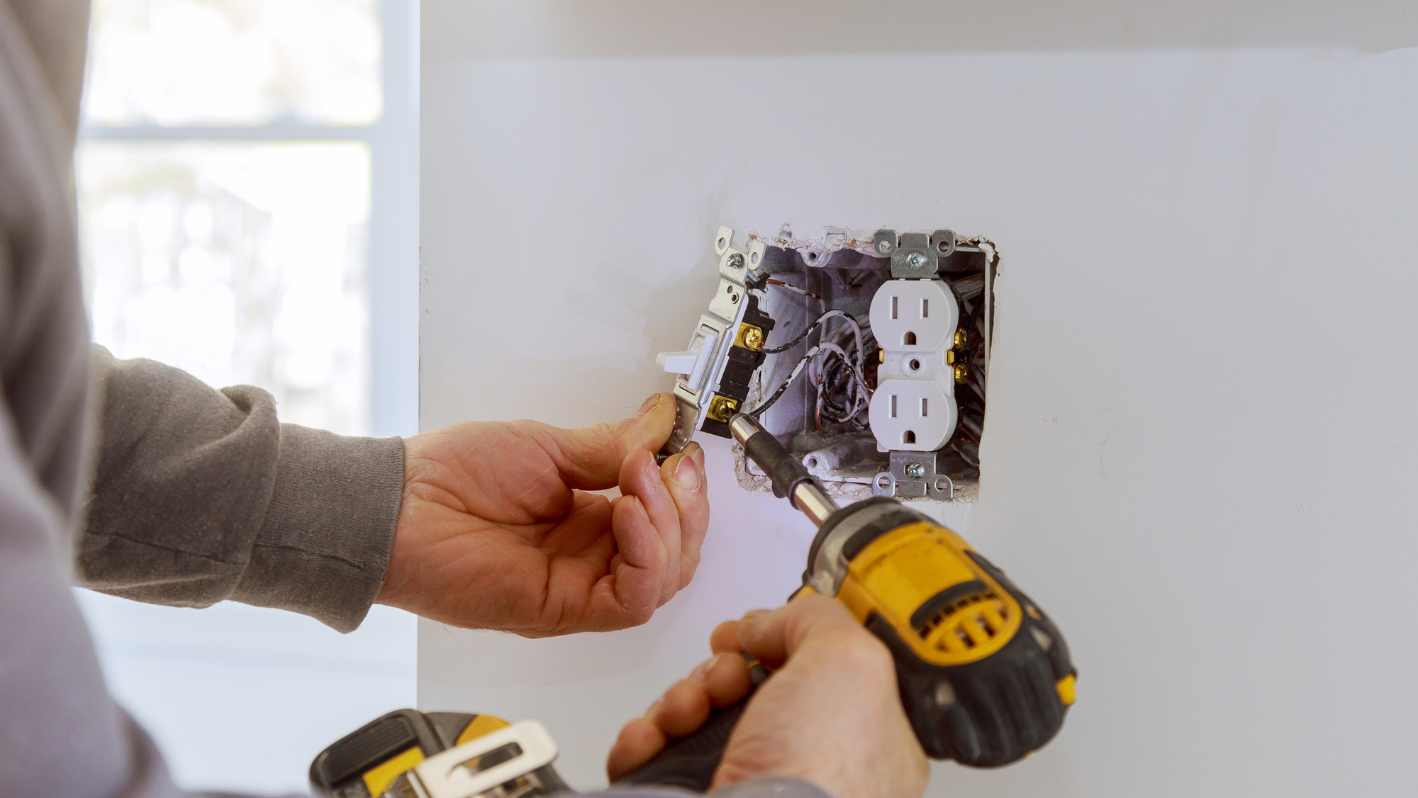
[{"x": 689, "y": 762}]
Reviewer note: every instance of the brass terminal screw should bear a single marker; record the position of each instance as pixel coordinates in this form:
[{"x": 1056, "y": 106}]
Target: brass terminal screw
[
  {"x": 752, "y": 338},
  {"x": 961, "y": 372},
  {"x": 721, "y": 408},
  {"x": 960, "y": 337},
  {"x": 749, "y": 337}
]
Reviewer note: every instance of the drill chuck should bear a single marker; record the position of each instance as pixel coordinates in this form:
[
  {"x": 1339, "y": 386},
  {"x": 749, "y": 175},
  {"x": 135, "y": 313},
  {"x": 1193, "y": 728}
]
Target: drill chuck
[{"x": 789, "y": 476}]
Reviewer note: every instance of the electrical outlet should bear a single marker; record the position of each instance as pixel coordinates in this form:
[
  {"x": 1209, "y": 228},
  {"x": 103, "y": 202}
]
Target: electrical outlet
[
  {"x": 913, "y": 408},
  {"x": 913, "y": 315},
  {"x": 912, "y": 415}
]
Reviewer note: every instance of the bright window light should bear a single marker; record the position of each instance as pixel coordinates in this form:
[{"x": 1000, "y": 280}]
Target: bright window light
[
  {"x": 238, "y": 263},
  {"x": 242, "y": 62}
]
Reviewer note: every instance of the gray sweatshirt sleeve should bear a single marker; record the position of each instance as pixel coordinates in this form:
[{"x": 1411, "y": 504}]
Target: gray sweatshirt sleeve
[{"x": 201, "y": 495}]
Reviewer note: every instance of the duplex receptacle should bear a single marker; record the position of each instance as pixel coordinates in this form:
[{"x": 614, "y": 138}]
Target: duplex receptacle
[{"x": 913, "y": 408}]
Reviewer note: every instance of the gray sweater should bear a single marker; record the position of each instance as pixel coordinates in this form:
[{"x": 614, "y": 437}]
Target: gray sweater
[{"x": 136, "y": 479}]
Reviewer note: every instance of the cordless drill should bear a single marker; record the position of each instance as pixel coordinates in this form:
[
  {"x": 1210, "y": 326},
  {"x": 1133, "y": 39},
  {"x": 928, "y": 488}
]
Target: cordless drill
[{"x": 985, "y": 676}]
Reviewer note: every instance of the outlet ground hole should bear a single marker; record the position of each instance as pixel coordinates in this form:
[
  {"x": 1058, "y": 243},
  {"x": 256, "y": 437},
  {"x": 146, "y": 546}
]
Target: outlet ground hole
[
  {"x": 909, "y": 339},
  {"x": 908, "y": 437}
]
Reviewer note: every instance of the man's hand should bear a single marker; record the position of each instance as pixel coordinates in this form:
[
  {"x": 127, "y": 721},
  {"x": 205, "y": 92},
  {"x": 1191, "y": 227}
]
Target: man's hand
[
  {"x": 830, "y": 713},
  {"x": 497, "y": 529}
]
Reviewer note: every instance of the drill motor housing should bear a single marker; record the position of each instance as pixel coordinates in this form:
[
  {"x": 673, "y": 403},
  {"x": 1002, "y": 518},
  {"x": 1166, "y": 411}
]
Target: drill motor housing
[{"x": 985, "y": 676}]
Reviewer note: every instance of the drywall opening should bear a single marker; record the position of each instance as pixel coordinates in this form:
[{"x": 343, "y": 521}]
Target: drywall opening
[{"x": 820, "y": 415}]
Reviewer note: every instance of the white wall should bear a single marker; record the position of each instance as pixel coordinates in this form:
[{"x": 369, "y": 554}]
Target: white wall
[{"x": 1201, "y": 433}]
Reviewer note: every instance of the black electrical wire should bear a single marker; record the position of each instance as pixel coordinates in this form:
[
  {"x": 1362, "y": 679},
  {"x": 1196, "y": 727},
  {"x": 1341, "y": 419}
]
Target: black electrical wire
[
  {"x": 797, "y": 371},
  {"x": 793, "y": 288},
  {"x": 792, "y": 375},
  {"x": 808, "y": 356},
  {"x": 797, "y": 339},
  {"x": 842, "y": 375}
]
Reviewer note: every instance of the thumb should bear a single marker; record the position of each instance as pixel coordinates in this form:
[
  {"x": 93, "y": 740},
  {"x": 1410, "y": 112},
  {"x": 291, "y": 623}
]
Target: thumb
[
  {"x": 590, "y": 458},
  {"x": 774, "y": 637}
]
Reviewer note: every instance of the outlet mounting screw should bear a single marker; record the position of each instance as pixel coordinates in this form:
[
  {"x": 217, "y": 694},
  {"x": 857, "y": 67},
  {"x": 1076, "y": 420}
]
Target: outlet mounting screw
[
  {"x": 916, "y": 260},
  {"x": 736, "y": 261},
  {"x": 915, "y": 470}
]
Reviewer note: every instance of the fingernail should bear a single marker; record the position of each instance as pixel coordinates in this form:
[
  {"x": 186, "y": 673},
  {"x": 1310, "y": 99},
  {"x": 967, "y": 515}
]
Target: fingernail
[
  {"x": 702, "y": 671},
  {"x": 753, "y": 615},
  {"x": 652, "y": 470},
  {"x": 686, "y": 473},
  {"x": 696, "y": 451},
  {"x": 650, "y": 713},
  {"x": 648, "y": 406}
]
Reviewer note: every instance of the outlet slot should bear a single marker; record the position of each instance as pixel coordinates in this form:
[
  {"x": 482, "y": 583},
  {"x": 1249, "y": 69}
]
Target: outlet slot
[
  {"x": 924, "y": 412},
  {"x": 925, "y": 308},
  {"x": 895, "y": 307}
]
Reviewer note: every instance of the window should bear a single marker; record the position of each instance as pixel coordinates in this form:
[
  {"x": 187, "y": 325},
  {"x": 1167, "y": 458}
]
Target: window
[
  {"x": 234, "y": 62},
  {"x": 247, "y": 185},
  {"x": 241, "y": 263}
]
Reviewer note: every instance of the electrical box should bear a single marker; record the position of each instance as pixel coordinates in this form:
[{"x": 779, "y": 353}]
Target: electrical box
[{"x": 865, "y": 352}]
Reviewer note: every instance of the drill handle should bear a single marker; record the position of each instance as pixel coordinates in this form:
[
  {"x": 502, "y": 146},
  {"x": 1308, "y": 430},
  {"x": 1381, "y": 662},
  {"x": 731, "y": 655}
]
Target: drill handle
[{"x": 689, "y": 762}]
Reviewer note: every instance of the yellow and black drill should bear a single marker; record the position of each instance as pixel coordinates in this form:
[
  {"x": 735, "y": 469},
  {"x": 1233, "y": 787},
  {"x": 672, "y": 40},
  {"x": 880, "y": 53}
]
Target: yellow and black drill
[{"x": 985, "y": 676}]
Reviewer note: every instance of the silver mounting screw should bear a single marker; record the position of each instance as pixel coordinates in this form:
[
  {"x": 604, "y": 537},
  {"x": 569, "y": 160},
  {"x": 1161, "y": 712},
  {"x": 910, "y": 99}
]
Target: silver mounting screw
[
  {"x": 883, "y": 246},
  {"x": 915, "y": 470},
  {"x": 916, "y": 260},
  {"x": 736, "y": 261}
]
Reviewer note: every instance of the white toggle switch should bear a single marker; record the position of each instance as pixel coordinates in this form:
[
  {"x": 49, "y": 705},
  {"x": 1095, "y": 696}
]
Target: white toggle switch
[
  {"x": 693, "y": 362},
  {"x": 677, "y": 362}
]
